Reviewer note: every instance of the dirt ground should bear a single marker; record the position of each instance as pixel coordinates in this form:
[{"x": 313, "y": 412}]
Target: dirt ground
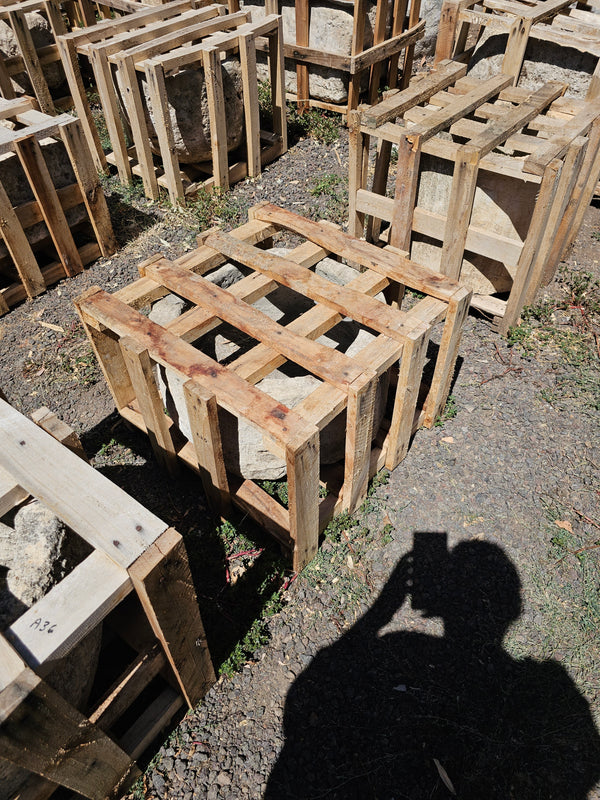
[{"x": 444, "y": 641}]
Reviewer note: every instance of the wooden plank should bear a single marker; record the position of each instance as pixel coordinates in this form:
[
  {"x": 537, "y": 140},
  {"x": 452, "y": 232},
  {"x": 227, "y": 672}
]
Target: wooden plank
[
  {"x": 247, "y": 54},
  {"x": 162, "y": 125},
  {"x": 405, "y": 192},
  {"x": 59, "y": 430},
  {"x": 419, "y": 91},
  {"x": 206, "y": 436},
  {"x": 499, "y": 130},
  {"x": 379, "y": 52},
  {"x": 231, "y": 392},
  {"x": 162, "y": 579},
  {"x": 302, "y": 18},
  {"x": 22, "y": 33},
  {"x": 128, "y": 687},
  {"x": 11, "y": 494},
  {"x": 556, "y": 146},
  {"x": 70, "y": 64},
  {"x": 359, "y": 430},
  {"x": 302, "y": 459},
  {"x": 132, "y": 98},
  {"x": 407, "y": 393},
  {"x": 277, "y": 76},
  {"x": 40, "y": 181},
  {"x": 460, "y": 208},
  {"x": 139, "y": 367},
  {"x": 518, "y": 37},
  {"x": 217, "y": 115},
  {"x": 151, "y": 722},
  {"x": 19, "y": 248},
  {"x": 30, "y": 455},
  {"x": 346, "y": 301},
  {"x": 460, "y": 107},
  {"x": 326, "y": 363},
  {"x": 87, "y": 178},
  {"x": 457, "y": 311},
  {"x": 55, "y": 624},
  {"x": 42, "y": 733},
  {"x": 367, "y": 255}
]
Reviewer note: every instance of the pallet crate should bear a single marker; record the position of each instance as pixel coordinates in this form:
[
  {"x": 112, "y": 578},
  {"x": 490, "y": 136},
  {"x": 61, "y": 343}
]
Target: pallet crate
[
  {"x": 160, "y": 41},
  {"x": 128, "y": 346},
  {"x": 137, "y": 566},
  {"x": 33, "y": 268},
  {"x": 396, "y": 31},
  {"x": 31, "y": 60},
  {"x": 515, "y": 171},
  {"x": 562, "y": 22}
]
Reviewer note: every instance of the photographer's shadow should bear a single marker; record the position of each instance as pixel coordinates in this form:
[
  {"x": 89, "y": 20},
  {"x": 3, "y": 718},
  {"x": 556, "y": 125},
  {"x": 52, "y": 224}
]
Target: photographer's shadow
[{"x": 409, "y": 715}]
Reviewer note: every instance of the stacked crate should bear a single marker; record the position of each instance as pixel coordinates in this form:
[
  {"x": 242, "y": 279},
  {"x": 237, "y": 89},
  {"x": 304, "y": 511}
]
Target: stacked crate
[
  {"x": 514, "y": 171},
  {"x": 158, "y": 42},
  {"x": 29, "y": 268}
]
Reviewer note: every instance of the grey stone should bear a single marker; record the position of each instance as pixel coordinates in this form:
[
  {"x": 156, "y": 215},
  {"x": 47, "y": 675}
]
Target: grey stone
[
  {"x": 188, "y": 111},
  {"x": 167, "y": 309},
  {"x": 543, "y": 61},
  {"x": 430, "y": 12}
]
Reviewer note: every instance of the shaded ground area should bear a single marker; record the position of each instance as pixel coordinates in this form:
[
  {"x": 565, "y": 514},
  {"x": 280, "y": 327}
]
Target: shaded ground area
[{"x": 444, "y": 639}]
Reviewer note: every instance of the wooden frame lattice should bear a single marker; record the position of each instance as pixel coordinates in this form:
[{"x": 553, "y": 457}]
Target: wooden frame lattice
[
  {"x": 134, "y": 554},
  {"x": 561, "y": 22},
  {"x": 396, "y": 31},
  {"x": 50, "y": 204},
  {"x": 157, "y": 42},
  {"x": 486, "y": 131},
  {"x": 128, "y": 346}
]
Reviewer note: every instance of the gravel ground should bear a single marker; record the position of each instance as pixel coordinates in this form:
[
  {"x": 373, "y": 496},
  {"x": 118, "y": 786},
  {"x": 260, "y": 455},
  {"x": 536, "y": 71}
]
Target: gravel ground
[{"x": 444, "y": 641}]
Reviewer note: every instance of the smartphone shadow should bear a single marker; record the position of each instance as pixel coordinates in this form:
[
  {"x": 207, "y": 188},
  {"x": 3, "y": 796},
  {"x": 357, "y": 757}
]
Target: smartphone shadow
[{"x": 408, "y": 715}]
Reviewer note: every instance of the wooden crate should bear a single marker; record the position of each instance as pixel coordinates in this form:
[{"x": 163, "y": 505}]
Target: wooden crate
[
  {"x": 33, "y": 268},
  {"x": 562, "y": 22},
  {"x": 397, "y": 29},
  {"x": 31, "y": 60},
  {"x": 136, "y": 561},
  {"x": 515, "y": 169},
  {"x": 160, "y": 41},
  {"x": 128, "y": 346}
]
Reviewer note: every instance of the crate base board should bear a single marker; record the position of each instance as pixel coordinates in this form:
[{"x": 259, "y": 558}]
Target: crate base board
[
  {"x": 238, "y": 170},
  {"x": 52, "y": 273}
]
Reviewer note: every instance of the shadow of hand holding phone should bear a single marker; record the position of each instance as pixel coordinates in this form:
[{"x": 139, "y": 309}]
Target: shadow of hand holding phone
[{"x": 402, "y": 714}]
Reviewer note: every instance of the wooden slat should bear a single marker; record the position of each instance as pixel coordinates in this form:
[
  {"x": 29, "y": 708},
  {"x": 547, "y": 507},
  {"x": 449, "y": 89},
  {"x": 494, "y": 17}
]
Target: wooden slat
[
  {"x": 326, "y": 363},
  {"x": 162, "y": 579},
  {"x": 113, "y": 522},
  {"x": 499, "y": 130},
  {"x": 40, "y": 181},
  {"x": 556, "y": 146},
  {"x": 302, "y": 460},
  {"x": 42, "y": 733},
  {"x": 394, "y": 106},
  {"x": 366, "y": 310},
  {"x": 19, "y": 248},
  {"x": 22, "y": 33},
  {"x": 164, "y": 348},
  {"x": 139, "y": 367},
  {"x": 55, "y": 624},
  {"x": 11, "y": 494},
  {"x": 367, "y": 255}
]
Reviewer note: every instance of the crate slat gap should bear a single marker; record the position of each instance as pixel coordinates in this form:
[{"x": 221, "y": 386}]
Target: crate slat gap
[{"x": 128, "y": 345}]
